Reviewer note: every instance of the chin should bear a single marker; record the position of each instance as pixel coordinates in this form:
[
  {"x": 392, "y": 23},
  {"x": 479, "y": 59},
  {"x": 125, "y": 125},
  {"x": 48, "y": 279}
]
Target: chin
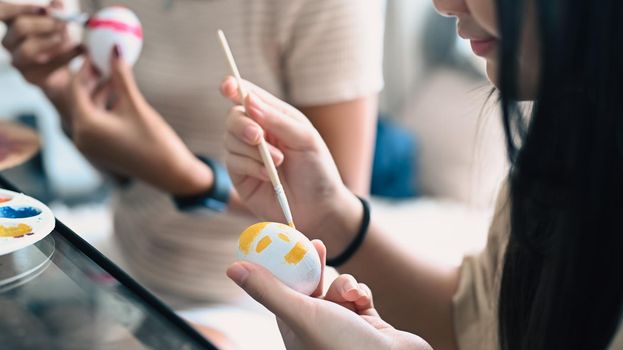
[{"x": 492, "y": 73}]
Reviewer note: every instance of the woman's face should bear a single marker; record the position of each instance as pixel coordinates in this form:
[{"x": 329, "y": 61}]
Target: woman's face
[{"x": 477, "y": 22}]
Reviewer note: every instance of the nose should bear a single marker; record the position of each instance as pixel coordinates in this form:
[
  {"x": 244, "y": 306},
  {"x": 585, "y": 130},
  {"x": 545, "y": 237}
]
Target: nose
[{"x": 450, "y": 7}]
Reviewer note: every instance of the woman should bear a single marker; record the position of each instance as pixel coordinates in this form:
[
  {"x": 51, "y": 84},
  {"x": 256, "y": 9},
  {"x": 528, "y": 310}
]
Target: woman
[
  {"x": 550, "y": 277},
  {"x": 322, "y": 56}
]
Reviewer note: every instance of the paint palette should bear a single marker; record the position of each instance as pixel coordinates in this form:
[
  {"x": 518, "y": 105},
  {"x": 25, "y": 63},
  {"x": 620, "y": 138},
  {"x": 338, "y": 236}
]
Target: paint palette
[
  {"x": 285, "y": 252},
  {"x": 23, "y": 221}
]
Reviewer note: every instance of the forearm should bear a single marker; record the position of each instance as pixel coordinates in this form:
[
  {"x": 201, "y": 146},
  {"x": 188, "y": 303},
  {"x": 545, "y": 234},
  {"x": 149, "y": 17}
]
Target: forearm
[
  {"x": 349, "y": 130},
  {"x": 410, "y": 293}
]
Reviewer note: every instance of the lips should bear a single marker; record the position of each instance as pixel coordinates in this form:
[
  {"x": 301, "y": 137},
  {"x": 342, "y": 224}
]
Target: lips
[{"x": 482, "y": 47}]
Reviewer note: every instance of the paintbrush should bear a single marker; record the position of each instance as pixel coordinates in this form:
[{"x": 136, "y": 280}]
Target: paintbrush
[{"x": 263, "y": 146}]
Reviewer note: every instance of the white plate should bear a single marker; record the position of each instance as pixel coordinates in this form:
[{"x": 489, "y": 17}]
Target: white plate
[{"x": 23, "y": 221}]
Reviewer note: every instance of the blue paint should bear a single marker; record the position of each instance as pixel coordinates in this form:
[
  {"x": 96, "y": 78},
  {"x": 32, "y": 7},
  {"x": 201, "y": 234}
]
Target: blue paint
[{"x": 18, "y": 213}]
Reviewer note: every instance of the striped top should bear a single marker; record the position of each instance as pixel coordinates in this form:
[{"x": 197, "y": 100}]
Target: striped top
[{"x": 308, "y": 52}]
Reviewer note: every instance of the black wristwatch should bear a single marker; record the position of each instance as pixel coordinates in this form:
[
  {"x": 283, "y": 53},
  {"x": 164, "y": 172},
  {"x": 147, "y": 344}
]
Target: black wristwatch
[{"x": 215, "y": 199}]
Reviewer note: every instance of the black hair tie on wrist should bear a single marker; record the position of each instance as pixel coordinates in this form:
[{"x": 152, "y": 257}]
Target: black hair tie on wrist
[{"x": 357, "y": 241}]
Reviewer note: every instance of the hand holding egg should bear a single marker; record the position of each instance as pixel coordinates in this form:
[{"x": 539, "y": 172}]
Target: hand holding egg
[
  {"x": 112, "y": 26},
  {"x": 285, "y": 252}
]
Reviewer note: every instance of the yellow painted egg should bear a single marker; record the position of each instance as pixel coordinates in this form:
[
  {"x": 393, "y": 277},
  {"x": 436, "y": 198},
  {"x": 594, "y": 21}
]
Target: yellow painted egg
[{"x": 284, "y": 251}]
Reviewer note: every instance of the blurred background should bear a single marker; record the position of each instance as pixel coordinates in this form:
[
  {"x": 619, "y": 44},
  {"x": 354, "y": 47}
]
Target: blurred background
[{"x": 439, "y": 160}]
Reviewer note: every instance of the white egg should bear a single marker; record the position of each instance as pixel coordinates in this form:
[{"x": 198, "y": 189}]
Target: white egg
[
  {"x": 109, "y": 26},
  {"x": 284, "y": 251}
]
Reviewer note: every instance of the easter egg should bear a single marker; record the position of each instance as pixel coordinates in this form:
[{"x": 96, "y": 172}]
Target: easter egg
[
  {"x": 284, "y": 251},
  {"x": 111, "y": 26}
]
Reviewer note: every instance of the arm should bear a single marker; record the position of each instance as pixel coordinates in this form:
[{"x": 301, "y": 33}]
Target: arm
[
  {"x": 402, "y": 281},
  {"x": 417, "y": 296},
  {"x": 348, "y": 129}
]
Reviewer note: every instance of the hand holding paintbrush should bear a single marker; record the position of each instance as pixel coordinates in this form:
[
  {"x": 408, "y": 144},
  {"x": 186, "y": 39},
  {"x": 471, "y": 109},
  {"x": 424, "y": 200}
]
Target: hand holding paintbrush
[{"x": 263, "y": 146}]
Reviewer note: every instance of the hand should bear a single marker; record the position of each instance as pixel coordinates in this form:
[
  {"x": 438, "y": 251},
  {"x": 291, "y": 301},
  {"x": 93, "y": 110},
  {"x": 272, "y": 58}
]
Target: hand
[
  {"x": 321, "y": 205},
  {"x": 127, "y": 136},
  {"x": 39, "y": 45},
  {"x": 8, "y": 12},
  {"x": 344, "y": 318}
]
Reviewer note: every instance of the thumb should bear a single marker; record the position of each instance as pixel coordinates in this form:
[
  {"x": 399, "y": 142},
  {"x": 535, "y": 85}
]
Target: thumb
[
  {"x": 261, "y": 285},
  {"x": 122, "y": 78}
]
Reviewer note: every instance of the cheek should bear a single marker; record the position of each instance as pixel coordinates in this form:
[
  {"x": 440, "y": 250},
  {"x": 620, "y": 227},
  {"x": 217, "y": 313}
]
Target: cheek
[{"x": 483, "y": 12}]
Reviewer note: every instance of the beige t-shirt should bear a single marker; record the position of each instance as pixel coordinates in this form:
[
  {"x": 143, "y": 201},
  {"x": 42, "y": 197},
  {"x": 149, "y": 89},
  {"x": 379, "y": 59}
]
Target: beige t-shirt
[
  {"x": 475, "y": 312},
  {"x": 308, "y": 52}
]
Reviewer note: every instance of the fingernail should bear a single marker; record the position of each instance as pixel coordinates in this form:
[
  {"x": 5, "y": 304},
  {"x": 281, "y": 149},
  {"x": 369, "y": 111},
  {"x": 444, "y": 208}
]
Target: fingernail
[
  {"x": 42, "y": 11},
  {"x": 238, "y": 274},
  {"x": 251, "y": 134},
  {"x": 350, "y": 286},
  {"x": 116, "y": 51}
]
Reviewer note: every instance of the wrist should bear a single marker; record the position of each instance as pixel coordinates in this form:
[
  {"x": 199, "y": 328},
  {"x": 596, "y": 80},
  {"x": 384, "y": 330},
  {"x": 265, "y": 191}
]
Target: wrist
[
  {"x": 342, "y": 222},
  {"x": 195, "y": 177}
]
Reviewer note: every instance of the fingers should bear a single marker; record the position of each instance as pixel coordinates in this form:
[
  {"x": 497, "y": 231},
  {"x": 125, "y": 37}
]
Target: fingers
[
  {"x": 243, "y": 128},
  {"x": 322, "y": 253},
  {"x": 242, "y": 166},
  {"x": 346, "y": 291},
  {"x": 237, "y": 147},
  {"x": 83, "y": 86},
  {"x": 8, "y": 12},
  {"x": 276, "y": 117},
  {"x": 29, "y": 26},
  {"x": 266, "y": 289},
  {"x": 229, "y": 89},
  {"x": 122, "y": 79},
  {"x": 290, "y": 131},
  {"x": 39, "y": 50}
]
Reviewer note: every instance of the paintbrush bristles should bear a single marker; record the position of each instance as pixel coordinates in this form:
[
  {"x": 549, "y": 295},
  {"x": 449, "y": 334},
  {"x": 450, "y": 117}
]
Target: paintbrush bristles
[{"x": 263, "y": 146}]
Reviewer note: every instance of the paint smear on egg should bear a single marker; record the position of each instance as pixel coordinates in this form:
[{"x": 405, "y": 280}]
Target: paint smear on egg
[
  {"x": 263, "y": 243},
  {"x": 15, "y": 231},
  {"x": 247, "y": 237},
  {"x": 284, "y": 237},
  {"x": 18, "y": 213},
  {"x": 296, "y": 254},
  {"x": 5, "y": 199}
]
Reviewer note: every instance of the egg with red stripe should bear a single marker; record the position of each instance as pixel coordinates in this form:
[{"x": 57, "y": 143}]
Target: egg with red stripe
[
  {"x": 115, "y": 25},
  {"x": 284, "y": 251}
]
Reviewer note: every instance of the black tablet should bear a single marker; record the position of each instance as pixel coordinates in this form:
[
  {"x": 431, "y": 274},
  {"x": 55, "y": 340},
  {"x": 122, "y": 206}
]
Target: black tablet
[{"x": 61, "y": 293}]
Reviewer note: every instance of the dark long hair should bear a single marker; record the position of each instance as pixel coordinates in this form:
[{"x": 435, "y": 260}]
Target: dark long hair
[{"x": 562, "y": 284}]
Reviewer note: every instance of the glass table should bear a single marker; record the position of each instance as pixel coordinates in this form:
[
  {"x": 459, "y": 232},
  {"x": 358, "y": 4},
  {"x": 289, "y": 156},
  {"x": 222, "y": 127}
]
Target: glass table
[{"x": 61, "y": 293}]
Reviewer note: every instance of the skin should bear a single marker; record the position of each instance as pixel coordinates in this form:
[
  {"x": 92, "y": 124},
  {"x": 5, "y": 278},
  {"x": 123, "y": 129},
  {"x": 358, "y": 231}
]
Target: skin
[
  {"x": 477, "y": 20},
  {"x": 41, "y": 49},
  {"x": 347, "y": 303},
  {"x": 410, "y": 293}
]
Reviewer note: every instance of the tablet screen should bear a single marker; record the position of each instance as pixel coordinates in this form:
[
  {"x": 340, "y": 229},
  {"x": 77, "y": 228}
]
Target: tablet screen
[{"x": 62, "y": 294}]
